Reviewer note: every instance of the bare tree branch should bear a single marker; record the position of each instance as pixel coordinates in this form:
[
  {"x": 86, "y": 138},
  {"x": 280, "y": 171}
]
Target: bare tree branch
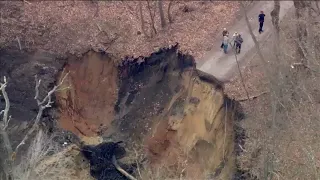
[
  {"x": 225, "y": 132},
  {"x": 294, "y": 65},
  {"x": 38, "y": 82},
  {"x": 138, "y": 168},
  {"x": 142, "y": 19},
  {"x": 162, "y": 19},
  {"x": 152, "y": 18},
  {"x": 3, "y": 125},
  {"x": 6, "y": 118},
  {"x": 275, "y": 16},
  {"x": 252, "y": 97},
  {"x": 242, "y": 81},
  {"x": 19, "y": 43},
  {"x": 169, "y": 14},
  {"x": 242, "y": 148},
  {"x": 131, "y": 10},
  {"x": 45, "y": 103},
  {"x": 122, "y": 171},
  {"x": 26, "y": 2}
]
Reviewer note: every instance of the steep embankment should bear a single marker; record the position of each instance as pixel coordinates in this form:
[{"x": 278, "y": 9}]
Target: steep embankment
[
  {"x": 176, "y": 118},
  {"x": 160, "y": 106},
  {"x": 88, "y": 105}
]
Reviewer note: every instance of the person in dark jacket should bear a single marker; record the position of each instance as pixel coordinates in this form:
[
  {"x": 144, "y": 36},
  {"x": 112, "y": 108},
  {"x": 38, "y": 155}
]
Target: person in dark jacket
[
  {"x": 238, "y": 42},
  {"x": 261, "y": 21},
  {"x": 225, "y": 32}
]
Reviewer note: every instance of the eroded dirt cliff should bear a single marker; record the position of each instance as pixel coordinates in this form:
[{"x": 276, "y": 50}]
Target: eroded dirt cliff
[{"x": 160, "y": 106}]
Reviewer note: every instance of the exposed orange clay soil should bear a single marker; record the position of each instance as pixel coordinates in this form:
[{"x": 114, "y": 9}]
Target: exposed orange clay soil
[
  {"x": 89, "y": 104},
  {"x": 176, "y": 115}
]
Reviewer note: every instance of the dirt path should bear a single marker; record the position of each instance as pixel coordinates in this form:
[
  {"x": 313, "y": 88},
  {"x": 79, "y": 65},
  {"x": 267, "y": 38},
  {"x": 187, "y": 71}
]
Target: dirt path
[{"x": 223, "y": 66}]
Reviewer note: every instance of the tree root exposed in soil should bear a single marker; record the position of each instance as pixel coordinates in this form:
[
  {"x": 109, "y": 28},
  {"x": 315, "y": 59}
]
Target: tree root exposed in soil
[
  {"x": 122, "y": 171},
  {"x": 252, "y": 97}
]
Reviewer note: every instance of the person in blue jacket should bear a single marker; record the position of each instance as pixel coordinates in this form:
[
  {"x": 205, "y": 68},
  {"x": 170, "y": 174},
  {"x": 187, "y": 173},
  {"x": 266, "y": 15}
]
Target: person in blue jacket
[{"x": 261, "y": 21}]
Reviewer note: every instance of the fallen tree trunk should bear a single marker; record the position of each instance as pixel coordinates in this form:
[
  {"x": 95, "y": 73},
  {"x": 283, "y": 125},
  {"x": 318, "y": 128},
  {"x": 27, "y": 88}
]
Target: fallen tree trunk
[{"x": 122, "y": 171}]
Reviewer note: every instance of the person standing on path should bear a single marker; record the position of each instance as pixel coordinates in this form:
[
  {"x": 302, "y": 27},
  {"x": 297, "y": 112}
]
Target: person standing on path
[
  {"x": 225, "y": 43},
  {"x": 234, "y": 37},
  {"x": 261, "y": 21},
  {"x": 238, "y": 42},
  {"x": 224, "y": 33}
]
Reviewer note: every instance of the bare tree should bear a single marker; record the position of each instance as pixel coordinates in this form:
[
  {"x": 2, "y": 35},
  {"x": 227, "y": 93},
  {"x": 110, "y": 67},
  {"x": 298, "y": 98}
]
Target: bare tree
[
  {"x": 290, "y": 95},
  {"x": 143, "y": 26},
  {"x": 241, "y": 77},
  {"x": 152, "y": 15},
  {"x": 3, "y": 126},
  {"x": 275, "y": 16},
  {"x": 40, "y": 147},
  {"x": 302, "y": 30},
  {"x": 161, "y": 13},
  {"x": 169, "y": 12},
  {"x": 243, "y": 7},
  {"x": 149, "y": 21},
  {"x": 46, "y": 102},
  {"x": 273, "y": 91}
]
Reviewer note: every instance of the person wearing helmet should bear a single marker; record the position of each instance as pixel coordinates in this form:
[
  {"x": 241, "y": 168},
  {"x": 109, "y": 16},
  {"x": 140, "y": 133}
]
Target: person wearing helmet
[{"x": 224, "y": 33}]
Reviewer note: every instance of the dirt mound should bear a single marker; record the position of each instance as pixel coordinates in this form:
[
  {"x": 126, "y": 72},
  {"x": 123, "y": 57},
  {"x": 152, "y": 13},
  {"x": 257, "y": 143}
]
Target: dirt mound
[{"x": 160, "y": 106}]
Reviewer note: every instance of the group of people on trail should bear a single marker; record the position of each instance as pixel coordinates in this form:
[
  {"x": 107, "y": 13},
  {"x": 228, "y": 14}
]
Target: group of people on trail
[{"x": 236, "y": 38}]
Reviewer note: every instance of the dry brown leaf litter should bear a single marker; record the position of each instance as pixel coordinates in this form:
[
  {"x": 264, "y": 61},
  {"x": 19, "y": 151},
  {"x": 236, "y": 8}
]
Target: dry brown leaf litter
[{"x": 75, "y": 26}]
